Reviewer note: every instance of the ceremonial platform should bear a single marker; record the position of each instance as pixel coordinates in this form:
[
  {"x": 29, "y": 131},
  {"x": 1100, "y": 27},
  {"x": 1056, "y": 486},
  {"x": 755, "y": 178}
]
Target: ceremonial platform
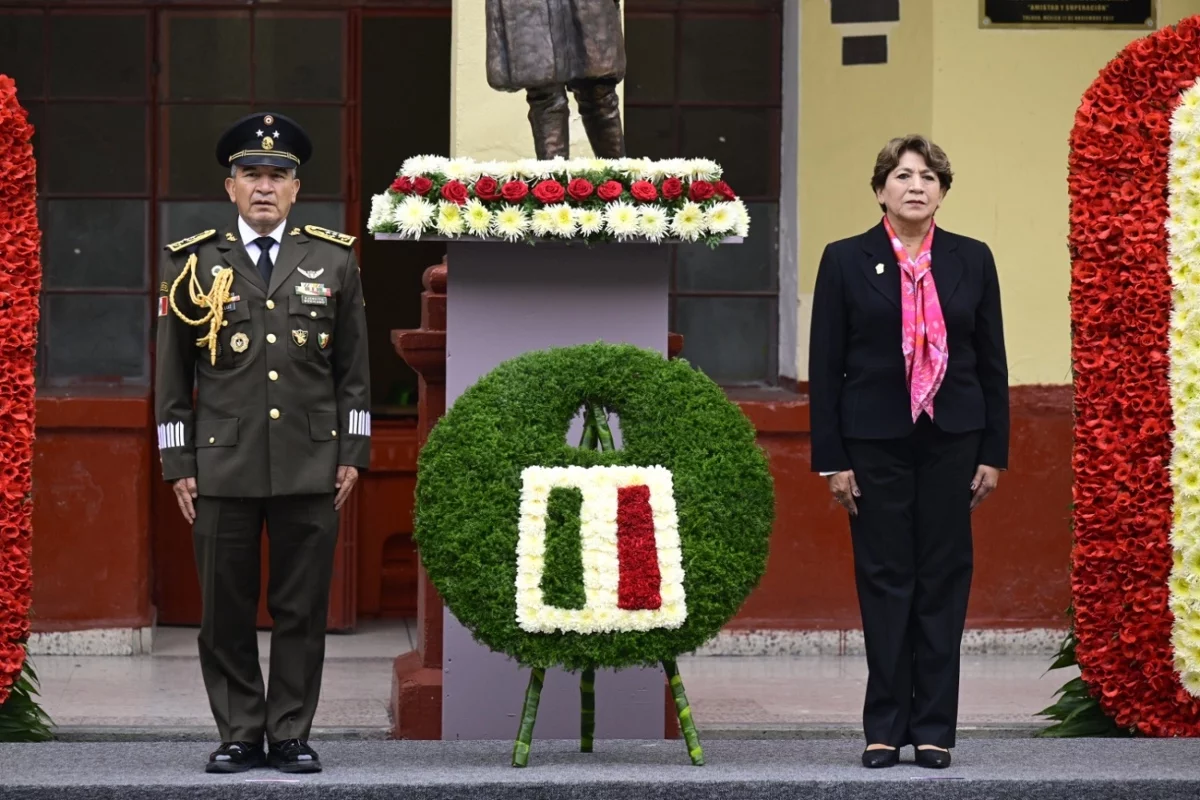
[{"x": 997, "y": 769}]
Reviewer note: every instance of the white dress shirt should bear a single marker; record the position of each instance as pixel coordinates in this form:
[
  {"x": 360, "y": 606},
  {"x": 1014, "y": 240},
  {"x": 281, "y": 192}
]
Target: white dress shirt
[{"x": 249, "y": 235}]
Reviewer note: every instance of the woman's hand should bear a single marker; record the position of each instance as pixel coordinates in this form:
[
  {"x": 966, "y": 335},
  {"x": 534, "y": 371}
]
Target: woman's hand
[
  {"x": 845, "y": 489},
  {"x": 985, "y": 481}
]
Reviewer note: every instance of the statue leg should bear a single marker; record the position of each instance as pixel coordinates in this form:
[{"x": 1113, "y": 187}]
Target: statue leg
[
  {"x": 600, "y": 109},
  {"x": 550, "y": 119}
]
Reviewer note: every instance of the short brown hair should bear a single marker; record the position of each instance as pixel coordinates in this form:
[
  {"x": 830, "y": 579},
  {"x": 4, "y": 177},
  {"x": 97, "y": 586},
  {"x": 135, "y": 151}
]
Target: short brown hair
[{"x": 890, "y": 155}]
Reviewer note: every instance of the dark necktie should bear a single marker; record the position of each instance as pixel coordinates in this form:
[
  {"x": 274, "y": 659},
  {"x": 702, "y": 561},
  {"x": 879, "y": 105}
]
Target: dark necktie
[{"x": 264, "y": 257}]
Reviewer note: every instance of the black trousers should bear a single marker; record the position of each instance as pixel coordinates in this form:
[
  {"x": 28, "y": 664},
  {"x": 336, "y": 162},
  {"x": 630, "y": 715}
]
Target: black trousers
[
  {"x": 303, "y": 532},
  {"x": 913, "y": 566}
]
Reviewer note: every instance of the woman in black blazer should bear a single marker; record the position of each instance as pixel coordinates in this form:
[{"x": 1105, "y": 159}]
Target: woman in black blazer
[{"x": 908, "y": 386}]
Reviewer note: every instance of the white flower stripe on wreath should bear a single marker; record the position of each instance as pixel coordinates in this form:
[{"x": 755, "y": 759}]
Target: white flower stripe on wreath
[
  {"x": 598, "y": 537},
  {"x": 1183, "y": 249},
  {"x": 170, "y": 434}
]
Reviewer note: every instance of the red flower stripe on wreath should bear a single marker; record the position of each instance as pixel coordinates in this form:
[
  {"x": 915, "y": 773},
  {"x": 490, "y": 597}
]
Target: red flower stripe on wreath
[
  {"x": 640, "y": 582},
  {"x": 20, "y": 283},
  {"x": 1120, "y": 312}
]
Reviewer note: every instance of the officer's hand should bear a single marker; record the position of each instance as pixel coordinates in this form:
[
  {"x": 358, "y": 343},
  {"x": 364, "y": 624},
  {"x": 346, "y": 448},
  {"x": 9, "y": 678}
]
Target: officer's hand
[
  {"x": 845, "y": 488},
  {"x": 346, "y": 477},
  {"x": 185, "y": 493}
]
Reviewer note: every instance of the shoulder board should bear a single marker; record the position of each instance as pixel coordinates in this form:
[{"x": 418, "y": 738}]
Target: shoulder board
[
  {"x": 175, "y": 247},
  {"x": 344, "y": 239}
]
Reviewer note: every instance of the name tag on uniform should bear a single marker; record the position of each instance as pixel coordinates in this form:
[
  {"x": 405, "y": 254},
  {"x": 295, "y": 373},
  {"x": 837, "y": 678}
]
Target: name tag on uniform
[
  {"x": 232, "y": 304},
  {"x": 309, "y": 300}
]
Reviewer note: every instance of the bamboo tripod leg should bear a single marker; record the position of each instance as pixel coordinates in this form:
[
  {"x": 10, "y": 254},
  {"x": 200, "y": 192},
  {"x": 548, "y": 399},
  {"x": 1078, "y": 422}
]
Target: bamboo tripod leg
[
  {"x": 685, "y": 714},
  {"x": 528, "y": 716}
]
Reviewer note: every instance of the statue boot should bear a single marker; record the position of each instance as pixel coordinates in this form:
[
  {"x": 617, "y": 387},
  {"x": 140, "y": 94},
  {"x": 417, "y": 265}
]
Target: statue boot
[
  {"x": 550, "y": 119},
  {"x": 600, "y": 109}
]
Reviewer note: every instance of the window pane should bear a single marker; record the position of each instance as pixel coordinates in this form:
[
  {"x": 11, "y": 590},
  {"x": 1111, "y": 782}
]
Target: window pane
[
  {"x": 96, "y": 244},
  {"x": 299, "y": 58},
  {"x": 98, "y": 55},
  {"x": 750, "y": 266},
  {"x": 741, "y": 141},
  {"x": 730, "y": 339},
  {"x": 649, "y": 132},
  {"x": 188, "y": 44},
  {"x": 323, "y": 124},
  {"x": 190, "y": 135},
  {"x": 100, "y": 337},
  {"x": 21, "y": 47},
  {"x": 650, "y": 58},
  {"x": 730, "y": 59},
  {"x": 95, "y": 148}
]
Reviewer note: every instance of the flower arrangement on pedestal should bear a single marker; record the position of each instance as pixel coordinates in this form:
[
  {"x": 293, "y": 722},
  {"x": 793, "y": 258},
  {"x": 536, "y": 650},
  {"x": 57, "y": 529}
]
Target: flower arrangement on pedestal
[
  {"x": 593, "y": 200},
  {"x": 1135, "y": 314},
  {"x": 20, "y": 283}
]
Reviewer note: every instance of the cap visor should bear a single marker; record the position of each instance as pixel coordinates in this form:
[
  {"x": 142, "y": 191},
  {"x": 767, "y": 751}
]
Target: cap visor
[{"x": 265, "y": 161}]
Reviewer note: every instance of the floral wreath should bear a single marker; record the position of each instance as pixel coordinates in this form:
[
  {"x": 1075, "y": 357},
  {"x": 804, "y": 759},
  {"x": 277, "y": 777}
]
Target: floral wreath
[
  {"x": 594, "y": 556},
  {"x": 20, "y": 283},
  {"x": 582, "y": 199},
  {"x": 1135, "y": 313}
]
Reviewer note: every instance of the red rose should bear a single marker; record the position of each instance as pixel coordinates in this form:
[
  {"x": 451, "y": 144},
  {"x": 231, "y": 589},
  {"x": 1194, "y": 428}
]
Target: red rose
[
  {"x": 514, "y": 191},
  {"x": 725, "y": 190},
  {"x": 672, "y": 189},
  {"x": 701, "y": 191},
  {"x": 403, "y": 185},
  {"x": 550, "y": 191},
  {"x": 609, "y": 191},
  {"x": 643, "y": 191},
  {"x": 455, "y": 192},
  {"x": 422, "y": 185},
  {"x": 580, "y": 189},
  {"x": 487, "y": 188}
]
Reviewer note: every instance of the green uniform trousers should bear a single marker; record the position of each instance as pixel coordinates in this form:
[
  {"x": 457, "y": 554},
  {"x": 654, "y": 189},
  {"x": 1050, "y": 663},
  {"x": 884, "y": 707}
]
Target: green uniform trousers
[{"x": 302, "y": 531}]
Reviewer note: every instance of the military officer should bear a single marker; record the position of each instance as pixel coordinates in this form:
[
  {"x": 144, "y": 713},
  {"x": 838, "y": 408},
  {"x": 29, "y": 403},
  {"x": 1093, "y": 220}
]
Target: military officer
[{"x": 266, "y": 321}]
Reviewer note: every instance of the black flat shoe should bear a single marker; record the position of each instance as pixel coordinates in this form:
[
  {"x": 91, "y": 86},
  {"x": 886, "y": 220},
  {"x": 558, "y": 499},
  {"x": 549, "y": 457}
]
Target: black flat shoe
[
  {"x": 876, "y": 759},
  {"x": 235, "y": 757},
  {"x": 293, "y": 755},
  {"x": 934, "y": 759}
]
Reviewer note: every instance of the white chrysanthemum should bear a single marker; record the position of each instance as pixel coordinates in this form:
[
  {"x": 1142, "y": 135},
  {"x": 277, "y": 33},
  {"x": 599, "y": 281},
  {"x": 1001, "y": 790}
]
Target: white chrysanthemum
[
  {"x": 450, "y": 220},
  {"x": 479, "y": 219},
  {"x": 670, "y": 168},
  {"x": 413, "y": 215},
  {"x": 381, "y": 213},
  {"x": 722, "y": 217},
  {"x": 621, "y": 219},
  {"x": 511, "y": 223},
  {"x": 652, "y": 223},
  {"x": 688, "y": 223},
  {"x": 465, "y": 170},
  {"x": 542, "y": 222},
  {"x": 423, "y": 165},
  {"x": 590, "y": 221},
  {"x": 635, "y": 168},
  {"x": 562, "y": 220},
  {"x": 703, "y": 169},
  {"x": 741, "y": 226}
]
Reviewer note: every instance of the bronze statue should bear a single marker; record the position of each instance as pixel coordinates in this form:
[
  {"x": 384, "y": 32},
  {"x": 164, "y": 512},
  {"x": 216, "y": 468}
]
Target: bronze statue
[{"x": 549, "y": 46}]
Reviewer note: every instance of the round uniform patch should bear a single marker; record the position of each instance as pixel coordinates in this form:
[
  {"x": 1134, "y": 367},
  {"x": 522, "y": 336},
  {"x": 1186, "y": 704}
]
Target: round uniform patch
[
  {"x": 239, "y": 342},
  {"x": 559, "y": 555}
]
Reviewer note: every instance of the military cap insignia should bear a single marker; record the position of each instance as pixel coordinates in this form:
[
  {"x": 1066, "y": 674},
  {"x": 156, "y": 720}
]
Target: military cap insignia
[
  {"x": 300, "y": 337},
  {"x": 322, "y": 340},
  {"x": 175, "y": 247},
  {"x": 268, "y": 143},
  {"x": 343, "y": 239},
  {"x": 239, "y": 342}
]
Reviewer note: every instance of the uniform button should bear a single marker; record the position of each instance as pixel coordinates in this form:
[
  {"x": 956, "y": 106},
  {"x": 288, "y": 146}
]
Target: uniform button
[
  {"x": 273, "y": 375},
  {"x": 224, "y": 323},
  {"x": 271, "y": 338},
  {"x": 274, "y": 413},
  {"x": 212, "y": 440},
  {"x": 312, "y": 314},
  {"x": 333, "y": 434},
  {"x": 270, "y": 304}
]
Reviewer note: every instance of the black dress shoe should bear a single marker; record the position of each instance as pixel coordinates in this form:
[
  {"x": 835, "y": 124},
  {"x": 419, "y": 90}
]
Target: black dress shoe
[
  {"x": 235, "y": 757},
  {"x": 293, "y": 755},
  {"x": 875, "y": 759},
  {"x": 934, "y": 759}
]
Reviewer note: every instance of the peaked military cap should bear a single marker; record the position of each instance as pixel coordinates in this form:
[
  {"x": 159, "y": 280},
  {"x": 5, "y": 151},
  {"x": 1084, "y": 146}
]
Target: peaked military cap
[{"x": 264, "y": 139}]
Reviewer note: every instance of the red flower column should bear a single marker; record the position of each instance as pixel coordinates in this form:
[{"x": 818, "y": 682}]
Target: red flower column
[
  {"x": 20, "y": 282},
  {"x": 1120, "y": 316}
]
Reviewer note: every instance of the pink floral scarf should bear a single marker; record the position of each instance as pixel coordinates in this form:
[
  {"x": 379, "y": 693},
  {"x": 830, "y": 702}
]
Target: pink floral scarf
[{"x": 923, "y": 336}]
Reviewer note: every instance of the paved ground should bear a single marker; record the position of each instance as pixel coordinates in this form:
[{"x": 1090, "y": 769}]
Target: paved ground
[{"x": 163, "y": 696}]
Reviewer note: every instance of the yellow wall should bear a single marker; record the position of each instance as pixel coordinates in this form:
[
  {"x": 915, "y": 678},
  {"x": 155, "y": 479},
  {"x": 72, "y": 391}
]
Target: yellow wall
[
  {"x": 1001, "y": 102},
  {"x": 486, "y": 124}
]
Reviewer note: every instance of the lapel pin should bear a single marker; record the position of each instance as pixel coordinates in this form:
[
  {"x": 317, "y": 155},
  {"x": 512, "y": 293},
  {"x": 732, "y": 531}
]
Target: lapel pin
[{"x": 879, "y": 269}]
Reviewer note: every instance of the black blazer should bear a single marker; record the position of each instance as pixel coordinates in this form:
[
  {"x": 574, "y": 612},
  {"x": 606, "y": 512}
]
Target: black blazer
[{"x": 857, "y": 385}]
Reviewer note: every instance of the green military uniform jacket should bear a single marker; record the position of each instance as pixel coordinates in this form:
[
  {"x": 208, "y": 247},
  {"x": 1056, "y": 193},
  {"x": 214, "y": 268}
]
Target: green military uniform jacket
[{"x": 287, "y": 399}]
